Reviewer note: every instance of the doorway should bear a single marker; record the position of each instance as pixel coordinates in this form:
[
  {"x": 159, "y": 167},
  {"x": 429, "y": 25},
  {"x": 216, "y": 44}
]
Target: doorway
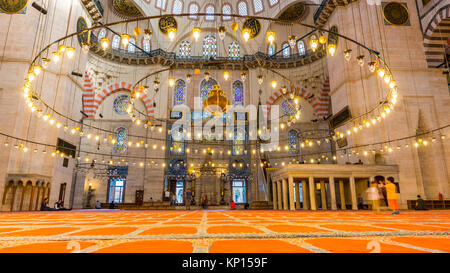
[
  {"x": 176, "y": 187},
  {"x": 62, "y": 192},
  {"x": 238, "y": 191},
  {"x": 116, "y": 189}
]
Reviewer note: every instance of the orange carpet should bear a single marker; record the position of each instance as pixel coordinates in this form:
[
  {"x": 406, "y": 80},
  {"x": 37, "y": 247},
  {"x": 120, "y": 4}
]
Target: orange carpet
[
  {"x": 150, "y": 246},
  {"x": 294, "y": 228},
  {"x": 354, "y": 228},
  {"x": 413, "y": 227},
  {"x": 232, "y": 229},
  {"x": 40, "y": 232},
  {"x": 49, "y": 247},
  {"x": 255, "y": 246},
  {"x": 442, "y": 244},
  {"x": 104, "y": 231},
  {"x": 169, "y": 230},
  {"x": 337, "y": 245}
]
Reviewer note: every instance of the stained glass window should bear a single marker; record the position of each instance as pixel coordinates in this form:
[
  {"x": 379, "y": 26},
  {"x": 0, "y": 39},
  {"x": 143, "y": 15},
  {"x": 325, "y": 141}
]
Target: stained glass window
[
  {"x": 273, "y": 2},
  {"x": 121, "y": 104},
  {"x": 226, "y": 9},
  {"x": 177, "y": 143},
  {"x": 177, "y": 7},
  {"x": 292, "y": 141},
  {"x": 209, "y": 13},
  {"x": 115, "y": 42},
  {"x": 132, "y": 46},
  {"x": 185, "y": 49},
  {"x": 258, "y": 5},
  {"x": 101, "y": 34},
  {"x": 238, "y": 142},
  {"x": 209, "y": 46},
  {"x": 205, "y": 87},
  {"x": 238, "y": 93},
  {"x": 121, "y": 140},
  {"x": 286, "y": 50},
  {"x": 288, "y": 107},
  {"x": 161, "y": 4},
  {"x": 146, "y": 45},
  {"x": 271, "y": 50},
  {"x": 242, "y": 8},
  {"x": 301, "y": 48},
  {"x": 193, "y": 10},
  {"x": 233, "y": 50},
  {"x": 180, "y": 88}
]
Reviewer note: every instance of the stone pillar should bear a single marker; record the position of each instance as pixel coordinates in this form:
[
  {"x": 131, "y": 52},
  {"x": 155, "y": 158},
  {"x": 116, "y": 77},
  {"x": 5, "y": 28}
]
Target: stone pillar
[
  {"x": 305, "y": 195},
  {"x": 312, "y": 193},
  {"x": 274, "y": 195},
  {"x": 291, "y": 193},
  {"x": 332, "y": 193},
  {"x": 30, "y": 208},
  {"x": 342, "y": 194},
  {"x": 279, "y": 195},
  {"x": 323, "y": 195},
  {"x": 285, "y": 194},
  {"x": 14, "y": 188},
  {"x": 353, "y": 193},
  {"x": 297, "y": 195}
]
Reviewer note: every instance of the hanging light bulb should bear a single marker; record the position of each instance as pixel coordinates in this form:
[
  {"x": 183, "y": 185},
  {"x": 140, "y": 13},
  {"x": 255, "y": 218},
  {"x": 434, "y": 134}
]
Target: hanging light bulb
[
  {"x": 322, "y": 39},
  {"x": 273, "y": 83},
  {"x": 31, "y": 76},
  {"x": 372, "y": 66},
  {"x": 270, "y": 36},
  {"x": 85, "y": 47},
  {"x": 360, "y": 60},
  {"x": 56, "y": 56},
  {"x": 243, "y": 76},
  {"x": 331, "y": 49},
  {"x": 246, "y": 33},
  {"x": 313, "y": 42},
  {"x": 156, "y": 83},
  {"x": 392, "y": 84},
  {"x": 45, "y": 62},
  {"x": 283, "y": 89},
  {"x": 380, "y": 72},
  {"x": 260, "y": 79},
  {"x": 171, "y": 82},
  {"x": 387, "y": 78},
  {"x": 188, "y": 78},
  {"x": 137, "y": 31},
  {"x": 125, "y": 39},
  {"x": 292, "y": 39},
  {"x": 206, "y": 76},
  {"x": 347, "y": 54},
  {"x": 222, "y": 31},
  {"x": 196, "y": 33},
  {"x": 226, "y": 75},
  {"x": 148, "y": 34},
  {"x": 62, "y": 48},
  {"x": 70, "y": 51},
  {"x": 171, "y": 33},
  {"x": 104, "y": 43},
  {"x": 37, "y": 69}
]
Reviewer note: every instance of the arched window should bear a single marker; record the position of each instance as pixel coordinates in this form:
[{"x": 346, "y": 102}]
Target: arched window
[
  {"x": 146, "y": 45},
  {"x": 209, "y": 13},
  {"x": 132, "y": 46},
  {"x": 185, "y": 49},
  {"x": 258, "y": 6},
  {"x": 193, "y": 10},
  {"x": 233, "y": 50},
  {"x": 115, "y": 42},
  {"x": 271, "y": 50},
  {"x": 286, "y": 50},
  {"x": 238, "y": 93},
  {"x": 292, "y": 138},
  {"x": 301, "y": 48},
  {"x": 161, "y": 4},
  {"x": 205, "y": 87},
  {"x": 226, "y": 9},
  {"x": 101, "y": 34},
  {"x": 273, "y": 2},
  {"x": 209, "y": 46},
  {"x": 177, "y": 7},
  {"x": 242, "y": 8},
  {"x": 238, "y": 141},
  {"x": 121, "y": 140},
  {"x": 179, "y": 91}
]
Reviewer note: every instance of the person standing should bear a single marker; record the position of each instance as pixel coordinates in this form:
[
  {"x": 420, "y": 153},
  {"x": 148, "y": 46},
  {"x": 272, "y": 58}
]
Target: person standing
[
  {"x": 174, "y": 199},
  {"x": 391, "y": 191},
  {"x": 188, "y": 199},
  {"x": 374, "y": 197},
  {"x": 205, "y": 202}
]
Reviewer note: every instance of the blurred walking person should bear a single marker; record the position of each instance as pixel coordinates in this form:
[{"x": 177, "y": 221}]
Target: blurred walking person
[
  {"x": 391, "y": 191},
  {"x": 374, "y": 197}
]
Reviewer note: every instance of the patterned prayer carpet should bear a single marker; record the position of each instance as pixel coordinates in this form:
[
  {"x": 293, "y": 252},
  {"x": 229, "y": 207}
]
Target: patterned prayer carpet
[{"x": 223, "y": 231}]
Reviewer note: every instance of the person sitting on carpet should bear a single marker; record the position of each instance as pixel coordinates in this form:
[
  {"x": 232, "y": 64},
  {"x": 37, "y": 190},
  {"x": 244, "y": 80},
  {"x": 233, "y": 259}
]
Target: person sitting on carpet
[
  {"x": 44, "y": 205},
  {"x": 420, "y": 204},
  {"x": 98, "y": 205},
  {"x": 232, "y": 204},
  {"x": 59, "y": 205}
]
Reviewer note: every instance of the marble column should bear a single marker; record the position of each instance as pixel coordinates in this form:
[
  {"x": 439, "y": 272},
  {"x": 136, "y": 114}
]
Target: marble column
[
  {"x": 297, "y": 195},
  {"x": 285, "y": 194},
  {"x": 291, "y": 192},
  {"x": 305, "y": 195},
  {"x": 323, "y": 195},
  {"x": 13, "y": 197},
  {"x": 274, "y": 195},
  {"x": 30, "y": 208},
  {"x": 312, "y": 193},
  {"x": 279, "y": 195},
  {"x": 353, "y": 193},
  {"x": 342, "y": 194},
  {"x": 332, "y": 193}
]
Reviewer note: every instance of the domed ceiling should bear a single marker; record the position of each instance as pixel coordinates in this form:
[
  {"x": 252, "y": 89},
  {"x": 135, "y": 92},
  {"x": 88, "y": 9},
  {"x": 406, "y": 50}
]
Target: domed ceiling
[{"x": 125, "y": 8}]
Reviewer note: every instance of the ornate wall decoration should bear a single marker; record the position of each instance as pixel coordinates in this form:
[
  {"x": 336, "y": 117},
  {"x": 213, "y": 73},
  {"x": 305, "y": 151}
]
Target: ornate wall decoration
[
  {"x": 82, "y": 25},
  {"x": 13, "y": 6},
  {"x": 395, "y": 13},
  {"x": 254, "y": 26},
  {"x": 121, "y": 140},
  {"x": 126, "y": 8},
  {"x": 294, "y": 12},
  {"x": 333, "y": 38},
  {"x": 167, "y": 22},
  {"x": 121, "y": 104}
]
